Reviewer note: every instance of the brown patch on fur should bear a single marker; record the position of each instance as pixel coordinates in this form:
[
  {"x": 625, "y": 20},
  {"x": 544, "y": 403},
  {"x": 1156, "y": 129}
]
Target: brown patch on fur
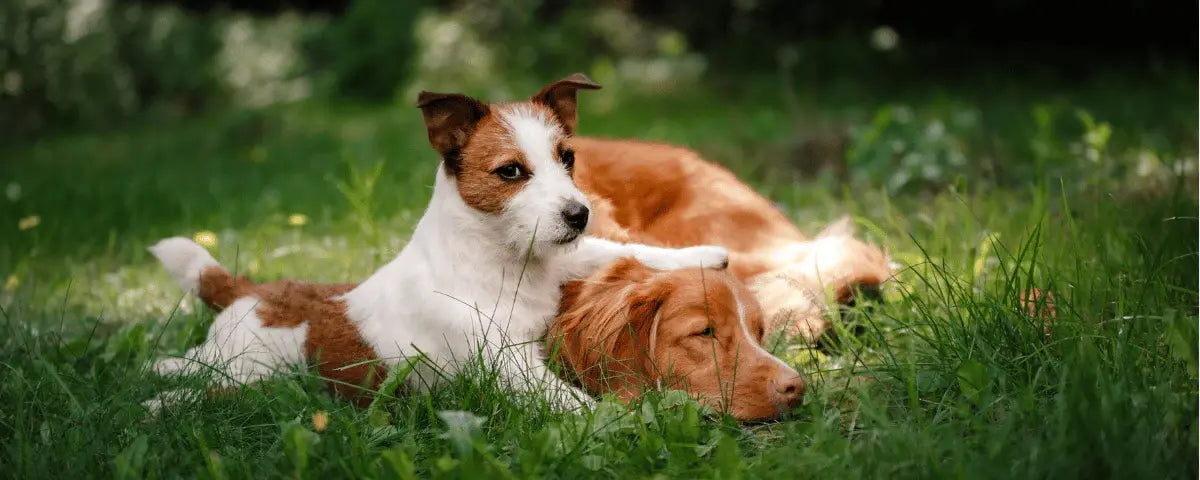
[
  {"x": 334, "y": 344},
  {"x": 628, "y": 328},
  {"x": 602, "y": 223},
  {"x": 671, "y": 195},
  {"x": 560, "y": 98},
  {"x": 489, "y": 148},
  {"x": 450, "y": 120}
]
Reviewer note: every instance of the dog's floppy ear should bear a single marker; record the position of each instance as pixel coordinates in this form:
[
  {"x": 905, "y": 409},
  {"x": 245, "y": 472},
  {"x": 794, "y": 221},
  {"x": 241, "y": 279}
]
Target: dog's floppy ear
[
  {"x": 643, "y": 317},
  {"x": 560, "y": 97},
  {"x": 450, "y": 119}
]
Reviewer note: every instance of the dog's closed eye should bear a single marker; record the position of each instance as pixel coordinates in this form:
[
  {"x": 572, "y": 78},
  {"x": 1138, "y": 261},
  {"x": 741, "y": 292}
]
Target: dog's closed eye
[{"x": 707, "y": 332}]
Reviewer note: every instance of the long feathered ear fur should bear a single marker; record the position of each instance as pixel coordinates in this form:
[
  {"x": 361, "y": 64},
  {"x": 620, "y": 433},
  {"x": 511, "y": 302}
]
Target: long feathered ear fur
[{"x": 604, "y": 329}]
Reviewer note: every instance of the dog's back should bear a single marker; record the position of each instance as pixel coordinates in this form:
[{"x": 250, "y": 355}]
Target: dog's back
[{"x": 667, "y": 195}]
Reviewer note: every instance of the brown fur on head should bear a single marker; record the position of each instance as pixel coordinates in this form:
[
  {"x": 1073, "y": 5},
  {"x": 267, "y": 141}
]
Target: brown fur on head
[
  {"x": 511, "y": 164},
  {"x": 630, "y": 328}
]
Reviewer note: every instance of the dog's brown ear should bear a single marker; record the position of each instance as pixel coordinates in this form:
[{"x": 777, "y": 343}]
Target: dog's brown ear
[
  {"x": 450, "y": 119},
  {"x": 644, "y": 318},
  {"x": 560, "y": 97}
]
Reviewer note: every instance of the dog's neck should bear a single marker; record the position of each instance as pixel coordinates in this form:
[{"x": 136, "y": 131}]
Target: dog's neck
[
  {"x": 450, "y": 226},
  {"x": 452, "y": 235},
  {"x": 454, "y": 251}
]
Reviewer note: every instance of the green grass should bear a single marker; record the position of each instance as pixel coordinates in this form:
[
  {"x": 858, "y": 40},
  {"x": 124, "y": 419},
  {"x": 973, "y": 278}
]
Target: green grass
[{"x": 947, "y": 378}]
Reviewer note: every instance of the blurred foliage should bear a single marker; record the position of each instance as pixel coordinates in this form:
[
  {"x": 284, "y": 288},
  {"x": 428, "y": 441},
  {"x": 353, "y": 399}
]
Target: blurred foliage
[
  {"x": 69, "y": 63},
  {"x": 369, "y": 51},
  {"x": 902, "y": 152}
]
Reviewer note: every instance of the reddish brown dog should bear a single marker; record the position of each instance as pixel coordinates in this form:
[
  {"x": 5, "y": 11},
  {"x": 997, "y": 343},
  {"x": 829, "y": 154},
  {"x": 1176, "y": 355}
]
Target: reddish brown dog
[{"x": 666, "y": 195}]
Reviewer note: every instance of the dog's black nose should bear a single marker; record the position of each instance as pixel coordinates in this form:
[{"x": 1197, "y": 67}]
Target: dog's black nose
[{"x": 575, "y": 215}]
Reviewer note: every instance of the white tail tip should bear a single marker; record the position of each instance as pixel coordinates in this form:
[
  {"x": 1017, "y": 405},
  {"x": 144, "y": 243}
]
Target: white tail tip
[
  {"x": 184, "y": 259},
  {"x": 842, "y": 227}
]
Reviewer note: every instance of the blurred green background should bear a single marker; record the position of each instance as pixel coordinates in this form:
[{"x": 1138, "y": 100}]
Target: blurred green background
[
  {"x": 903, "y": 97},
  {"x": 991, "y": 147}
]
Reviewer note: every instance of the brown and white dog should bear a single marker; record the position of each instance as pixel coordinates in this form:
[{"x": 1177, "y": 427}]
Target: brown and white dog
[
  {"x": 629, "y": 328},
  {"x": 666, "y": 195},
  {"x": 480, "y": 278}
]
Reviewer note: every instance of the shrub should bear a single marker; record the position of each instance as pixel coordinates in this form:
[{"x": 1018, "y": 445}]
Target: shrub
[{"x": 90, "y": 63}]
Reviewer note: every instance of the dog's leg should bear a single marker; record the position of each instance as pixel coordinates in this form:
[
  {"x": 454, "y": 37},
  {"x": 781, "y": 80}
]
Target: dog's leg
[
  {"x": 594, "y": 253},
  {"x": 523, "y": 368},
  {"x": 239, "y": 350}
]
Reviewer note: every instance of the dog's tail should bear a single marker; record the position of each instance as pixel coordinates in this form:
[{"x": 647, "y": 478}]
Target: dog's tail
[{"x": 197, "y": 272}]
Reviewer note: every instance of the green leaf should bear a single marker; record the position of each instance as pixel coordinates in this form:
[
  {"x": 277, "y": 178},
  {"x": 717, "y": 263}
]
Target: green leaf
[
  {"x": 399, "y": 463},
  {"x": 298, "y": 442},
  {"x": 592, "y": 462},
  {"x": 728, "y": 459},
  {"x": 132, "y": 460},
  {"x": 972, "y": 379}
]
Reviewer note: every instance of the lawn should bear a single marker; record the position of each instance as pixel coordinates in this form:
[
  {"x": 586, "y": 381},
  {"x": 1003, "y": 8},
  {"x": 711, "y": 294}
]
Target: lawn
[{"x": 1005, "y": 187}]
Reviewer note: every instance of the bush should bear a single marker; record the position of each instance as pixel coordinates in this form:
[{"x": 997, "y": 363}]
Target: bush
[
  {"x": 369, "y": 52},
  {"x": 90, "y": 63}
]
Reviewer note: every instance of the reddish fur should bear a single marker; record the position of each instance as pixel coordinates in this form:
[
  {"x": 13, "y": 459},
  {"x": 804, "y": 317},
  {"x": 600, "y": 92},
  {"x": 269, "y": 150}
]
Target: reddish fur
[
  {"x": 488, "y": 149},
  {"x": 605, "y": 326},
  {"x": 666, "y": 195},
  {"x": 1039, "y": 304},
  {"x": 669, "y": 194}
]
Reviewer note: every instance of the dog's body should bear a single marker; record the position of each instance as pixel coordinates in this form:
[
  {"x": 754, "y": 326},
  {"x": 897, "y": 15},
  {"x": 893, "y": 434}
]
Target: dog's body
[
  {"x": 480, "y": 277},
  {"x": 666, "y": 195}
]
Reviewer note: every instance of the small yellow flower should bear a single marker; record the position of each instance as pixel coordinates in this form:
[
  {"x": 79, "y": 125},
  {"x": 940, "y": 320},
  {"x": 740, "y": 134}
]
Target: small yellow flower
[
  {"x": 29, "y": 222},
  {"x": 12, "y": 283},
  {"x": 320, "y": 421},
  {"x": 206, "y": 238},
  {"x": 297, "y": 219}
]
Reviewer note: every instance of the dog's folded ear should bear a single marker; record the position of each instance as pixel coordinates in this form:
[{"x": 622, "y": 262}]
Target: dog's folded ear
[
  {"x": 560, "y": 97},
  {"x": 451, "y": 119}
]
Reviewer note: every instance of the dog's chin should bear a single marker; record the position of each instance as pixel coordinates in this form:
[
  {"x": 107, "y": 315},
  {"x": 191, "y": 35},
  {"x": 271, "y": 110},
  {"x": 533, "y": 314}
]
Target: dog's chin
[{"x": 568, "y": 237}]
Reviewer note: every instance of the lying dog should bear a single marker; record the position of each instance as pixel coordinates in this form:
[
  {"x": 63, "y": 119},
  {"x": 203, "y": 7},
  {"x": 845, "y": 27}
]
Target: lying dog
[
  {"x": 666, "y": 195},
  {"x": 481, "y": 274},
  {"x": 629, "y": 328}
]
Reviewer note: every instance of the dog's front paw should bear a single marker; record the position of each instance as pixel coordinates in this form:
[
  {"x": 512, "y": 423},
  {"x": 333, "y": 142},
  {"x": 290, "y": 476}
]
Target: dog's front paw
[
  {"x": 705, "y": 256},
  {"x": 570, "y": 399}
]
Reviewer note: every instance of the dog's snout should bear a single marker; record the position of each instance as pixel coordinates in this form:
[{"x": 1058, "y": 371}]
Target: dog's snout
[
  {"x": 575, "y": 215},
  {"x": 789, "y": 389}
]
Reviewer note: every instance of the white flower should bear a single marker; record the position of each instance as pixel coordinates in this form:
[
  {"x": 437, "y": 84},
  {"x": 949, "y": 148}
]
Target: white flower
[{"x": 884, "y": 38}]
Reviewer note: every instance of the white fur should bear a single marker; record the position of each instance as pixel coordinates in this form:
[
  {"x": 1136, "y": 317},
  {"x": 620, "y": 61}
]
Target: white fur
[
  {"x": 468, "y": 281},
  {"x": 184, "y": 260},
  {"x": 741, "y": 313},
  {"x": 538, "y": 206},
  {"x": 239, "y": 347}
]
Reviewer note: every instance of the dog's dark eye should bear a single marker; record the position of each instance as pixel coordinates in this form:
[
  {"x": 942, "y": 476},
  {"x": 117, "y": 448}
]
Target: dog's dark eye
[
  {"x": 567, "y": 157},
  {"x": 511, "y": 171},
  {"x": 708, "y": 332}
]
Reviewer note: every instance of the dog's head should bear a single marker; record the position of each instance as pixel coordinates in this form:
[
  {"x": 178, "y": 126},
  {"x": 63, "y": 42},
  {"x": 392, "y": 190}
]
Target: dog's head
[
  {"x": 510, "y": 162},
  {"x": 630, "y": 328}
]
